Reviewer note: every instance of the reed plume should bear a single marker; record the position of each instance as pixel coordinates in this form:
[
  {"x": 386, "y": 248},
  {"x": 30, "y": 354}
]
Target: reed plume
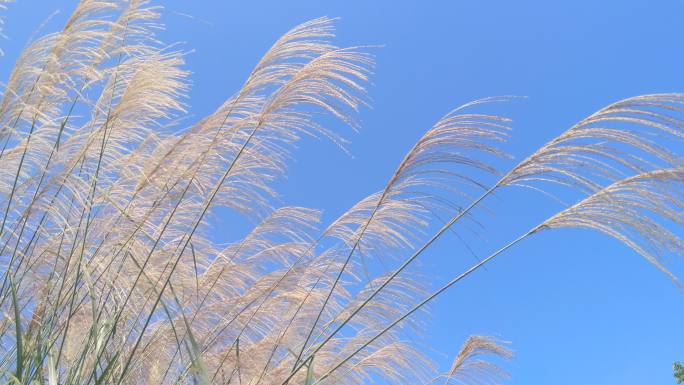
[{"x": 111, "y": 274}]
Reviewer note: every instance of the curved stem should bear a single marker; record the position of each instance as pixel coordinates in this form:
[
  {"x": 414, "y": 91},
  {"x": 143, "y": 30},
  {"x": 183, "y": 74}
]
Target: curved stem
[{"x": 428, "y": 299}]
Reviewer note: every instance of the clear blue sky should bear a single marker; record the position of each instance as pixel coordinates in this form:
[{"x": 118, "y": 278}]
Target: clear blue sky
[{"x": 579, "y": 308}]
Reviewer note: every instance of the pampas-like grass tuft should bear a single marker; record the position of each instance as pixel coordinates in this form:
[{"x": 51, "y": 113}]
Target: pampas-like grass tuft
[{"x": 110, "y": 273}]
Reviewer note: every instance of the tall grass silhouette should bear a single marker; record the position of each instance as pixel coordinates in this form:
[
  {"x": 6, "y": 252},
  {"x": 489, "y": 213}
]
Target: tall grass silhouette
[{"x": 110, "y": 274}]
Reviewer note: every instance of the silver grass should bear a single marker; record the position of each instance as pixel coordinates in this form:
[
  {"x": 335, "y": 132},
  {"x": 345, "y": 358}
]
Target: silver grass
[
  {"x": 470, "y": 367},
  {"x": 110, "y": 271}
]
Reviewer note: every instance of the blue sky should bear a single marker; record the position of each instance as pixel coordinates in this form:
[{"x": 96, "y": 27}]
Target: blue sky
[{"x": 579, "y": 308}]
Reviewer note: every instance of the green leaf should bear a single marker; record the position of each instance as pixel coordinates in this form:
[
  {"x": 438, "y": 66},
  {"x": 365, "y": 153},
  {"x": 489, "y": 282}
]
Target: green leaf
[
  {"x": 196, "y": 356},
  {"x": 678, "y": 372},
  {"x": 52, "y": 369},
  {"x": 194, "y": 262},
  {"x": 105, "y": 372},
  {"x": 309, "y": 373},
  {"x": 17, "y": 326}
]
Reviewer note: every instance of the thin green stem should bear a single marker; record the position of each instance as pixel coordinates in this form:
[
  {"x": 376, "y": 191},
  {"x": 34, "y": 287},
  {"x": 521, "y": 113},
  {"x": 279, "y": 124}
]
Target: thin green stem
[{"x": 426, "y": 300}]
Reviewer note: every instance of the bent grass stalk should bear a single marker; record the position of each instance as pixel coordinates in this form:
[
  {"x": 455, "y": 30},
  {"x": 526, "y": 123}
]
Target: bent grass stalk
[{"x": 112, "y": 274}]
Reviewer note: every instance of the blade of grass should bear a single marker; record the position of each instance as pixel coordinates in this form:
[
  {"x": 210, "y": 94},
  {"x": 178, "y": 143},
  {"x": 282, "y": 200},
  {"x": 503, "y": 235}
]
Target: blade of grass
[{"x": 19, "y": 368}]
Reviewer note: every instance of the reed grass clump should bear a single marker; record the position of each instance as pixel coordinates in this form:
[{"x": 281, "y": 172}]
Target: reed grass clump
[{"x": 110, "y": 274}]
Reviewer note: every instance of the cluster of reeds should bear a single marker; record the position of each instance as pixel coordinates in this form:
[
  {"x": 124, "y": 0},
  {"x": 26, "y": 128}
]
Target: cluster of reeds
[{"x": 110, "y": 274}]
